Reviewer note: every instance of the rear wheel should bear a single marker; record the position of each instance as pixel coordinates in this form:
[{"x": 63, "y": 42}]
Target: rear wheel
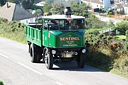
[
  {"x": 48, "y": 59},
  {"x": 35, "y": 53},
  {"x": 81, "y": 60}
]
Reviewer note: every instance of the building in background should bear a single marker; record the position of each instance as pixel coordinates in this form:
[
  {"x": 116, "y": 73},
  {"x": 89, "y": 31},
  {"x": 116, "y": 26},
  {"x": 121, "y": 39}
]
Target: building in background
[
  {"x": 106, "y": 4},
  {"x": 124, "y": 4},
  {"x": 79, "y": 1},
  {"x": 13, "y": 12},
  {"x": 99, "y": 3}
]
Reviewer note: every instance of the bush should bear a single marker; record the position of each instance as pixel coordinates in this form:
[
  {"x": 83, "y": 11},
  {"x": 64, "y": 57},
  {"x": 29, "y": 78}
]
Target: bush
[
  {"x": 107, "y": 53},
  {"x": 13, "y": 30},
  {"x": 2, "y": 20},
  {"x": 126, "y": 34},
  {"x": 94, "y": 23},
  {"x": 1, "y": 83},
  {"x": 110, "y": 13},
  {"x": 92, "y": 31},
  {"x": 80, "y": 9},
  {"x": 122, "y": 27}
]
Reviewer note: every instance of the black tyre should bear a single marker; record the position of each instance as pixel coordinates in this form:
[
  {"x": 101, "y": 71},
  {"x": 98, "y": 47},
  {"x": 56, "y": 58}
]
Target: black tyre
[
  {"x": 81, "y": 60},
  {"x": 43, "y": 56},
  {"x": 35, "y": 54},
  {"x": 48, "y": 59}
]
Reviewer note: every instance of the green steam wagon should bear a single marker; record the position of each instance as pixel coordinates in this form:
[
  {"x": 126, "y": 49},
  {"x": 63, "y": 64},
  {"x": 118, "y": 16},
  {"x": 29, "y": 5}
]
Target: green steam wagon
[{"x": 57, "y": 37}]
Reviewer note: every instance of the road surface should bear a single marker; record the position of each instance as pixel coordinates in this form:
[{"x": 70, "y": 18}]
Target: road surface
[{"x": 17, "y": 69}]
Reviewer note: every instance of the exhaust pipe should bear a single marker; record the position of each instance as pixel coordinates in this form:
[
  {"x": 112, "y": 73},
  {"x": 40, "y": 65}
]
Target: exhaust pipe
[{"x": 68, "y": 12}]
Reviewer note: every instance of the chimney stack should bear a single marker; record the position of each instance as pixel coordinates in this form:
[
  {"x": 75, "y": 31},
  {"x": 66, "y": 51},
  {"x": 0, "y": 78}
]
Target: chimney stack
[
  {"x": 68, "y": 12},
  {"x": 7, "y": 4}
]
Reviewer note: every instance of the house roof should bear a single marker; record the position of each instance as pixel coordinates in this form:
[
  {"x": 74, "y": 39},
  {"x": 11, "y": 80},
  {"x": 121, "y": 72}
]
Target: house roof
[
  {"x": 14, "y": 12},
  {"x": 21, "y": 13},
  {"x": 7, "y": 12}
]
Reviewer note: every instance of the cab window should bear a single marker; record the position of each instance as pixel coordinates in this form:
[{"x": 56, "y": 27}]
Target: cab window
[
  {"x": 74, "y": 24},
  {"x": 53, "y": 25},
  {"x": 64, "y": 24}
]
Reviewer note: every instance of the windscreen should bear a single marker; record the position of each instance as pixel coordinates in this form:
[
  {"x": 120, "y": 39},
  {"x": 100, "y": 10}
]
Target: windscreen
[{"x": 66, "y": 24}]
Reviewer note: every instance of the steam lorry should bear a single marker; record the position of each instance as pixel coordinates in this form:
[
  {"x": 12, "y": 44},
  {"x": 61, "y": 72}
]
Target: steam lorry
[{"x": 56, "y": 37}]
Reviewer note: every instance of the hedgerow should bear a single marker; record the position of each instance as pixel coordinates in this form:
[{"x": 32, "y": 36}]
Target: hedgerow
[
  {"x": 108, "y": 53},
  {"x": 13, "y": 30}
]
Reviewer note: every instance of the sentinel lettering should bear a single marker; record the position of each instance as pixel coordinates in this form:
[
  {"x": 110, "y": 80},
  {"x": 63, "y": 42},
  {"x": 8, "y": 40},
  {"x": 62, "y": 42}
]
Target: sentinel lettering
[{"x": 69, "y": 39}]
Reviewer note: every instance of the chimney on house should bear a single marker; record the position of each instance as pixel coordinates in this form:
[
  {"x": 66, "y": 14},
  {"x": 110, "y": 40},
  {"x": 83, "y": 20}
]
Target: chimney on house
[{"x": 7, "y": 4}]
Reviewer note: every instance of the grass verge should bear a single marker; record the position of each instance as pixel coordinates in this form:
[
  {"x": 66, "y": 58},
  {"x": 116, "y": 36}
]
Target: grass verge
[
  {"x": 12, "y": 30},
  {"x": 115, "y": 71},
  {"x": 16, "y": 37}
]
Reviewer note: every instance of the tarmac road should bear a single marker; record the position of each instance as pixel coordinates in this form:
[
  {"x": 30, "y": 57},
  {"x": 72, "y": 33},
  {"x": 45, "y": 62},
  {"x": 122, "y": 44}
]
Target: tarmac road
[{"x": 17, "y": 69}]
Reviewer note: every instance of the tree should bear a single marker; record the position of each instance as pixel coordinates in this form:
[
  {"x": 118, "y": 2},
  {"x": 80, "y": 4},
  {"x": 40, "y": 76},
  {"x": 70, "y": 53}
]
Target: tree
[
  {"x": 65, "y": 3},
  {"x": 94, "y": 23},
  {"x": 57, "y": 8},
  {"x": 80, "y": 9},
  {"x": 47, "y": 7},
  {"x": 49, "y": 1},
  {"x": 25, "y": 3},
  {"x": 11, "y": 1},
  {"x": 2, "y": 2}
]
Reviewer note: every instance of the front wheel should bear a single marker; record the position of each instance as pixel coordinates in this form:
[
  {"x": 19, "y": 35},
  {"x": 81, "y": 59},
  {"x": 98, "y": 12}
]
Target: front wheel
[
  {"x": 81, "y": 60},
  {"x": 48, "y": 59}
]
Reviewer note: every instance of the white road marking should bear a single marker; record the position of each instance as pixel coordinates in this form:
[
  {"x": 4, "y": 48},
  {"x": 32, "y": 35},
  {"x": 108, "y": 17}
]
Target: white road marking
[
  {"x": 59, "y": 83},
  {"x": 30, "y": 68},
  {"x": 4, "y": 56}
]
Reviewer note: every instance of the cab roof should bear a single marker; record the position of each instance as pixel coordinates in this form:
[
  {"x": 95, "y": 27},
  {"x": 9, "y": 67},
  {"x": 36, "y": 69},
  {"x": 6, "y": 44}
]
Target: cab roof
[{"x": 62, "y": 17}]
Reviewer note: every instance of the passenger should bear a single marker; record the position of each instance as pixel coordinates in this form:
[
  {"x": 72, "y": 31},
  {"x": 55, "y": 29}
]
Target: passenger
[
  {"x": 66, "y": 25},
  {"x": 53, "y": 25},
  {"x": 79, "y": 24},
  {"x": 46, "y": 25},
  {"x": 53, "y": 21}
]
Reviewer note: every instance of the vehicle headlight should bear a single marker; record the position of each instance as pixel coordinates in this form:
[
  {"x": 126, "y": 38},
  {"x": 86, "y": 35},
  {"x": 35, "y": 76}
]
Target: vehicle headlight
[
  {"x": 53, "y": 52},
  {"x": 76, "y": 53},
  {"x": 83, "y": 50}
]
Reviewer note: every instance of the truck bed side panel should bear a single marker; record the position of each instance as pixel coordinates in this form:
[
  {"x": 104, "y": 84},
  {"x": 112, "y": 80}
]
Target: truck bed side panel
[{"x": 33, "y": 35}]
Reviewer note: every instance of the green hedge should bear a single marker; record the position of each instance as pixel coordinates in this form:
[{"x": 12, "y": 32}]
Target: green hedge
[
  {"x": 13, "y": 30},
  {"x": 126, "y": 34},
  {"x": 108, "y": 53}
]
